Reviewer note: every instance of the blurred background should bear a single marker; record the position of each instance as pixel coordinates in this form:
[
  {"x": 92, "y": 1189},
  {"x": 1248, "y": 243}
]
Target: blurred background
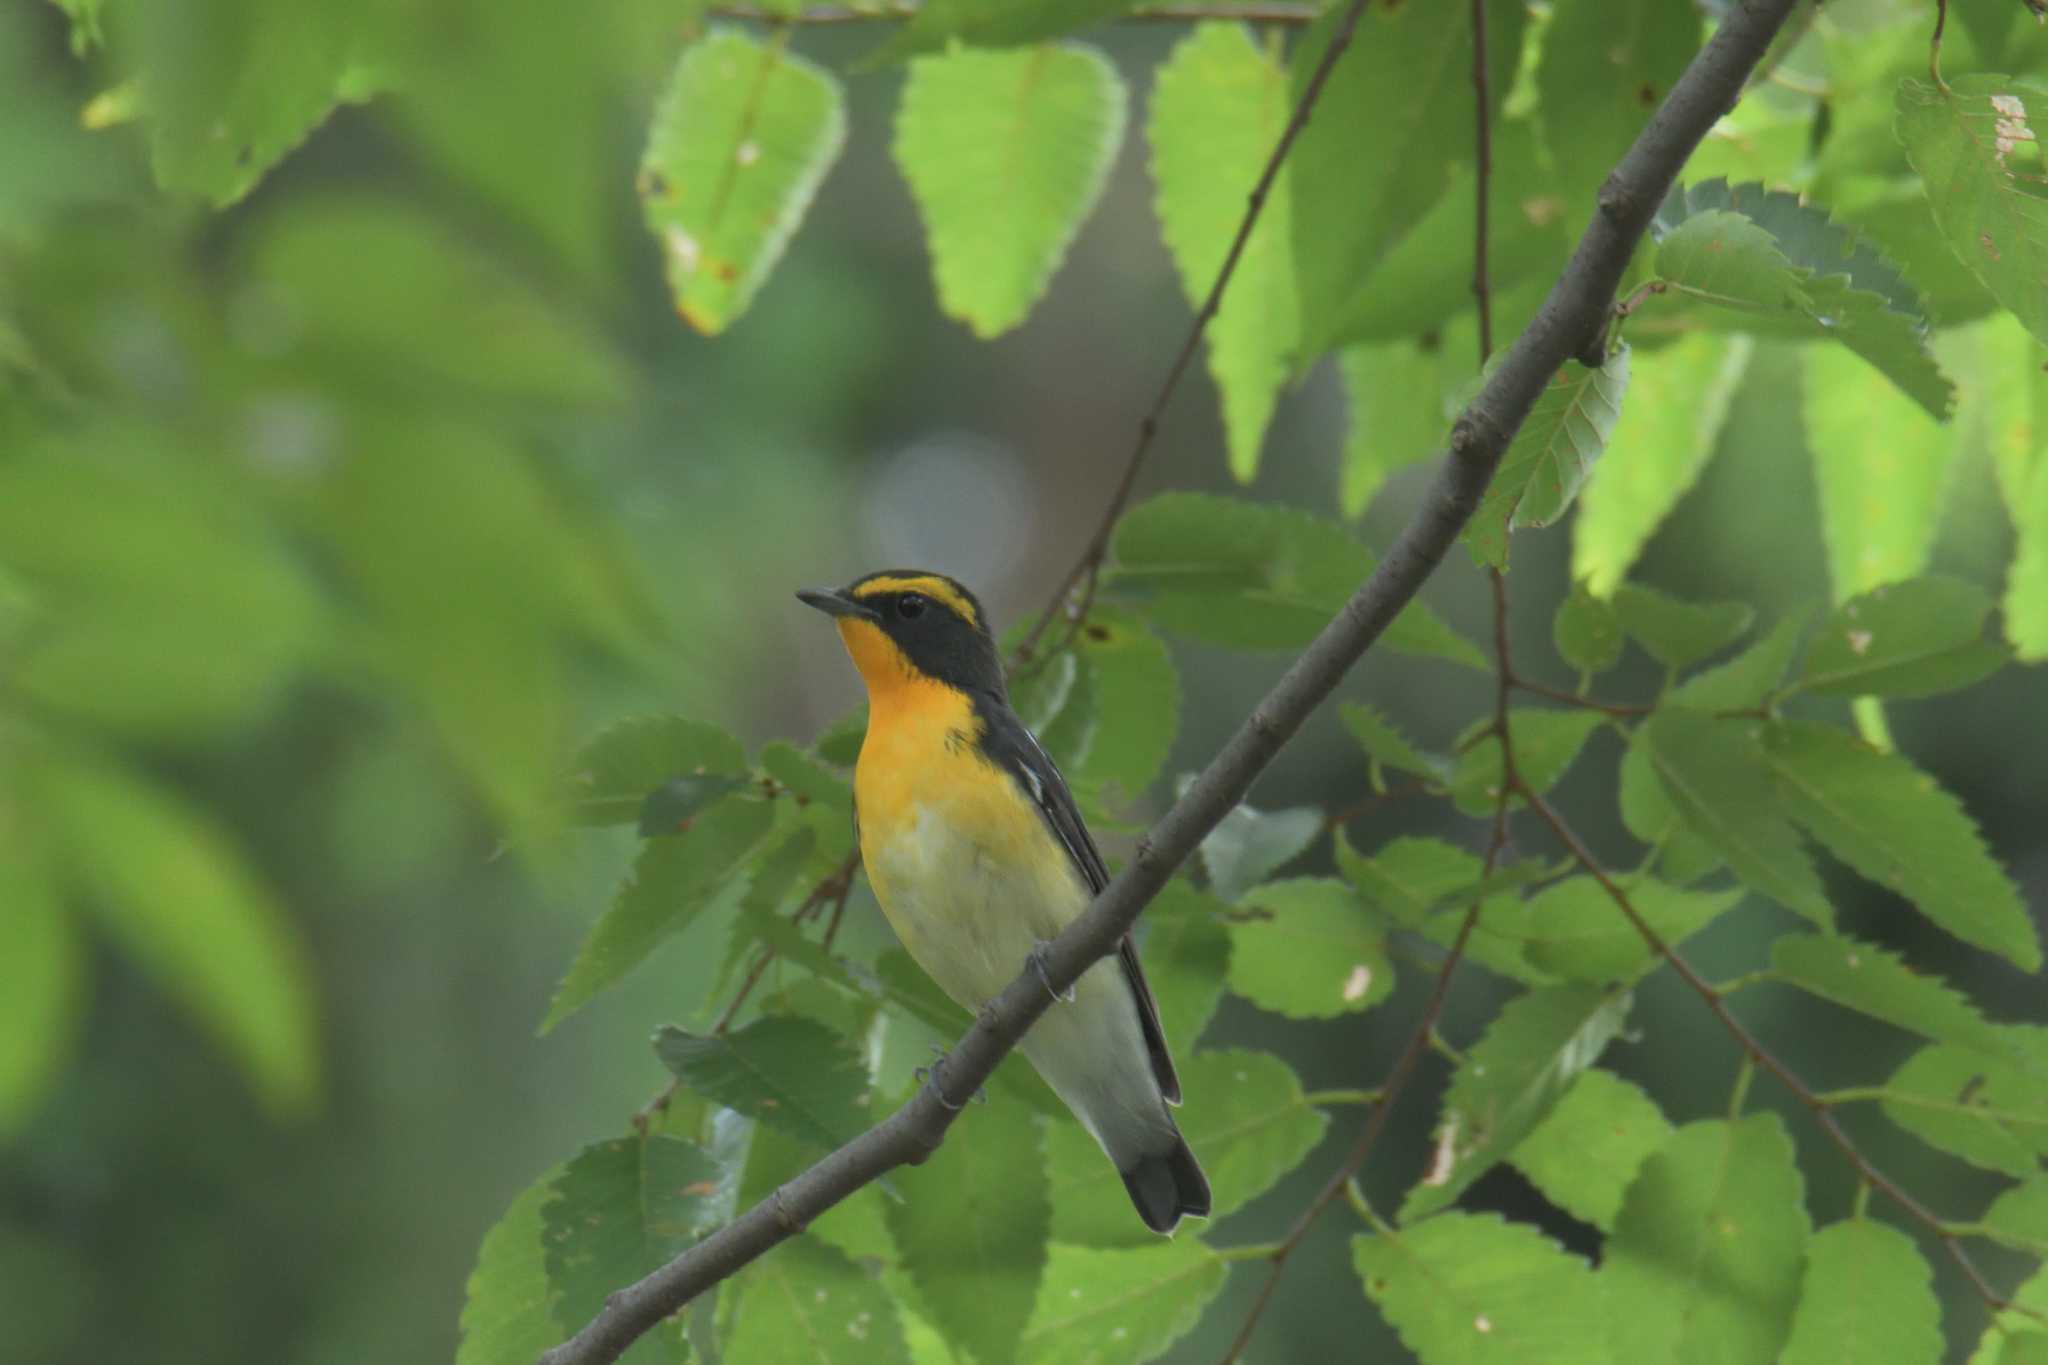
[{"x": 330, "y": 520}]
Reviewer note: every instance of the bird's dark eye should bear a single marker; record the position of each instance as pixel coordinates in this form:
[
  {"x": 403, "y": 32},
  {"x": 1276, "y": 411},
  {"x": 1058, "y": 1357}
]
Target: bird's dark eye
[{"x": 910, "y": 606}]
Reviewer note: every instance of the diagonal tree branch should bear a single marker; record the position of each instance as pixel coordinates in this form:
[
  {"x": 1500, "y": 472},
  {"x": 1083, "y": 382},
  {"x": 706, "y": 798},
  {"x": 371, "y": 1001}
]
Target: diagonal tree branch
[{"x": 1572, "y": 319}]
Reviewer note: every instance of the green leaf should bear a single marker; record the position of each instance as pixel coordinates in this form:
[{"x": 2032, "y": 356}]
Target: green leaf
[
  {"x": 1395, "y": 414},
  {"x": 1186, "y": 952},
  {"x": 971, "y": 1229},
  {"x": 808, "y": 1304},
  {"x": 1476, "y": 1288},
  {"x": 993, "y": 24},
  {"x": 1867, "y": 1299},
  {"x": 1666, "y": 434},
  {"x": 506, "y": 1317},
  {"x": 1307, "y": 949},
  {"x": 1679, "y": 634},
  {"x": 1574, "y": 930},
  {"x": 2012, "y": 393},
  {"x": 1751, "y": 677},
  {"x": 674, "y": 879},
  {"x": 46, "y": 973},
  {"x": 1584, "y": 1155},
  {"x": 1409, "y": 878},
  {"x": 1896, "y": 826},
  {"x": 1510, "y": 1080},
  {"x": 1913, "y": 639},
  {"x": 1714, "y": 775},
  {"x": 1988, "y": 1113},
  {"x": 742, "y": 138},
  {"x": 792, "y": 1074},
  {"x": 1551, "y": 455},
  {"x": 1120, "y": 1307},
  {"x": 1803, "y": 231},
  {"x": 1880, "y": 463},
  {"x": 1546, "y": 743},
  {"x": 1877, "y": 982},
  {"x": 1249, "y": 845},
  {"x": 618, "y": 1211},
  {"x": 1246, "y": 1119},
  {"x": 1975, "y": 146},
  {"x": 1389, "y": 747},
  {"x": 1651, "y": 815},
  {"x": 1257, "y": 576},
  {"x": 2026, "y": 583},
  {"x": 1006, "y": 153},
  {"x": 1135, "y": 698},
  {"x": 1586, "y": 630},
  {"x": 1705, "y": 1257},
  {"x": 1602, "y": 73},
  {"x": 168, "y": 885},
  {"x": 2016, "y": 1337},
  {"x": 1218, "y": 105},
  {"x": 1400, "y": 102},
  {"x": 2019, "y": 1217}
]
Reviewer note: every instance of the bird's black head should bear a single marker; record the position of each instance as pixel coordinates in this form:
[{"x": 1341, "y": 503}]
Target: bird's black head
[{"x": 907, "y": 623}]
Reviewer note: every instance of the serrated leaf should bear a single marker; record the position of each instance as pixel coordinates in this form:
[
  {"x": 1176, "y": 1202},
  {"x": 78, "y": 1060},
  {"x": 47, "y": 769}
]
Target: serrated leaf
[
  {"x": 971, "y": 1229},
  {"x": 1679, "y": 400},
  {"x": 1219, "y": 103},
  {"x": 619, "y": 1210},
  {"x": 742, "y": 138},
  {"x": 1476, "y": 1288},
  {"x": 1546, "y": 741},
  {"x": 1424, "y": 885},
  {"x": 505, "y": 1308},
  {"x": 1394, "y": 414},
  {"x": 1651, "y": 815},
  {"x": 1120, "y": 1307},
  {"x": 1134, "y": 697},
  {"x": 1880, "y": 463},
  {"x": 46, "y": 971},
  {"x": 1551, "y": 455},
  {"x": 792, "y": 1074},
  {"x": 1387, "y": 745},
  {"x": 614, "y": 772},
  {"x": 1586, "y": 631},
  {"x": 1246, "y": 1119},
  {"x": 2019, "y": 1217},
  {"x": 674, "y": 879},
  {"x": 1006, "y": 153},
  {"x": 1705, "y": 1257},
  {"x": 1400, "y": 102},
  {"x": 1307, "y": 949},
  {"x": 1575, "y": 931},
  {"x": 1679, "y": 634},
  {"x": 1186, "y": 952},
  {"x": 1803, "y": 231},
  {"x": 1510, "y": 1080},
  {"x": 2015, "y": 1336},
  {"x": 1587, "y": 1150},
  {"x": 1990, "y": 1114},
  {"x": 1976, "y": 147},
  {"x": 1714, "y": 775},
  {"x": 1913, "y": 639},
  {"x": 1249, "y": 845},
  {"x": 809, "y": 1304},
  {"x": 670, "y": 807},
  {"x": 993, "y": 23},
  {"x": 1602, "y": 73},
  {"x": 1877, "y": 982},
  {"x": 1751, "y": 677},
  {"x": 1257, "y": 576},
  {"x": 1896, "y": 826},
  {"x": 1867, "y": 1299}
]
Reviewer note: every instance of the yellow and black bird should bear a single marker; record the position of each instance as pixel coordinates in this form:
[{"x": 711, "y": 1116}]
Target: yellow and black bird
[{"x": 978, "y": 855}]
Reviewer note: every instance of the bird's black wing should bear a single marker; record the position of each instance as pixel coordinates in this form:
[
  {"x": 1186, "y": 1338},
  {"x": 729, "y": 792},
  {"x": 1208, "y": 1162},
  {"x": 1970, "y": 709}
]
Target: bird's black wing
[{"x": 1012, "y": 747}]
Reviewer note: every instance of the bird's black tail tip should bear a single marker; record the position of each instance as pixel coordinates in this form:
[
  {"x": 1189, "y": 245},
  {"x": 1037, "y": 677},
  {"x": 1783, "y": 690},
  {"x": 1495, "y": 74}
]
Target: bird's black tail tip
[{"x": 1167, "y": 1186}]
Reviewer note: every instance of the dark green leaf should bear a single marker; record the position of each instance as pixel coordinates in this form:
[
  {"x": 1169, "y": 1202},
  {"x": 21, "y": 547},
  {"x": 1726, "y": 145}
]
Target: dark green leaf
[
  {"x": 1877, "y": 982},
  {"x": 1912, "y": 639},
  {"x": 1867, "y": 1299},
  {"x": 1574, "y": 930},
  {"x": 1120, "y": 1307},
  {"x": 1257, "y": 576},
  {"x": 1388, "y": 746},
  {"x": 46, "y": 963},
  {"x": 505, "y": 1309},
  {"x": 1307, "y": 949},
  {"x": 670, "y": 807},
  {"x": 1186, "y": 952},
  {"x": 1705, "y": 1257},
  {"x": 792, "y": 1074},
  {"x": 1651, "y": 815},
  {"x": 1475, "y": 1289},
  {"x": 808, "y": 1304},
  {"x": 1713, "y": 773},
  {"x": 740, "y": 142},
  {"x": 1896, "y": 826},
  {"x": 1586, "y": 630},
  {"x": 1249, "y": 845},
  {"x": 1584, "y": 1155},
  {"x": 1551, "y": 455},
  {"x": 971, "y": 1229},
  {"x": 1246, "y": 1120},
  {"x": 674, "y": 879},
  {"x": 1510, "y": 1080},
  {"x": 1990, "y": 1114},
  {"x": 995, "y": 23},
  {"x": 1679, "y": 634},
  {"x": 1006, "y": 153},
  {"x": 1751, "y": 677},
  {"x": 1546, "y": 742},
  {"x": 1603, "y": 71}
]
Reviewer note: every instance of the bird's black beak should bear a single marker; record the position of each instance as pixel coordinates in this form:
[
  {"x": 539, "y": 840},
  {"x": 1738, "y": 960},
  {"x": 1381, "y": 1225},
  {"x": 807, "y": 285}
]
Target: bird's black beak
[{"x": 834, "y": 602}]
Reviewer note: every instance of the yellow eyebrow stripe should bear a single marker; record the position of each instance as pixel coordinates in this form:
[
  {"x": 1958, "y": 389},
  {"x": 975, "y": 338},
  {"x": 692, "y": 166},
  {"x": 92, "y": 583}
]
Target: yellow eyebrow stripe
[{"x": 938, "y": 589}]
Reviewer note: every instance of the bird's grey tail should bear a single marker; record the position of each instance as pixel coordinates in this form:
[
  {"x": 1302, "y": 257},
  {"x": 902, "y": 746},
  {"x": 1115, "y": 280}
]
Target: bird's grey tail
[{"x": 1167, "y": 1185}]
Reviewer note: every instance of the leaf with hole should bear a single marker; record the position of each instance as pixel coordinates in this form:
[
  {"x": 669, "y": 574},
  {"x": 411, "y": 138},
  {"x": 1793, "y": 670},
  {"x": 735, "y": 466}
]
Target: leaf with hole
[
  {"x": 1307, "y": 949},
  {"x": 1990, "y": 1114},
  {"x": 1919, "y": 638}
]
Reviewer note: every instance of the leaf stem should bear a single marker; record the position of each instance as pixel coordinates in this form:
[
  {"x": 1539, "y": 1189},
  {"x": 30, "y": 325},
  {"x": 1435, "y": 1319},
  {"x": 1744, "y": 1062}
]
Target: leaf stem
[{"x": 1325, "y": 1099}]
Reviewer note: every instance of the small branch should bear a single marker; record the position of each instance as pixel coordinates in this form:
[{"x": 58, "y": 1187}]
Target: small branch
[
  {"x": 1612, "y": 708},
  {"x": 1574, "y": 311},
  {"x": 832, "y": 15},
  {"x": 1934, "y": 45},
  {"x": 1372, "y": 801}
]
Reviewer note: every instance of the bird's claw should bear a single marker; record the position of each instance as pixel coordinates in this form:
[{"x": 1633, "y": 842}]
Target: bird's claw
[{"x": 1039, "y": 952}]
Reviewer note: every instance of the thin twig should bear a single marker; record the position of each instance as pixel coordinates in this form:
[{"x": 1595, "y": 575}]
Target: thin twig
[
  {"x": 1573, "y": 314},
  {"x": 1934, "y": 45},
  {"x": 1612, "y": 708},
  {"x": 1371, "y": 801}
]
